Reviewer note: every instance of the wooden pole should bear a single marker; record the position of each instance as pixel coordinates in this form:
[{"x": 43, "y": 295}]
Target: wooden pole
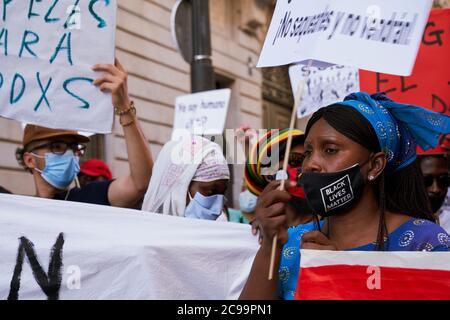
[{"x": 297, "y": 98}]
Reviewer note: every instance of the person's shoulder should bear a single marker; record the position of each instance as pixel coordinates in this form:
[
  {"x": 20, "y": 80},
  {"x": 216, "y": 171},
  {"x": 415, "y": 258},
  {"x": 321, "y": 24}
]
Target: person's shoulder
[
  {"x": 94, "y": 193},
  {"x": 424, "y": 235}
]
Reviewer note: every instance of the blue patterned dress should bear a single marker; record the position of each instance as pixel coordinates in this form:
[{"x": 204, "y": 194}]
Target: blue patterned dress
[
  {"x": 290, "y": 260},
  {"x": 413, "y": 235}
]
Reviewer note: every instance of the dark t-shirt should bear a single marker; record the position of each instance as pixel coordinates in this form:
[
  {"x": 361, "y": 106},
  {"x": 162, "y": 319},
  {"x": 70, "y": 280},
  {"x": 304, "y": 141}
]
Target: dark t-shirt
[{"x": 94, "y": 193}]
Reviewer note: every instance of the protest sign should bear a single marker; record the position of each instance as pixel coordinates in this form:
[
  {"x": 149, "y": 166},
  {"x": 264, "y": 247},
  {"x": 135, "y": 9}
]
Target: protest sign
[
  {"x": 428, "y": 85},
  {"x": 100, "y": 252},
  {"x": 201, "y": 113},
  {"x": 323, "y": 86},
  {"x": 368, "y": 275},
  {"x": 380, "y": 35},
  {"x": 47, "y": 49}
]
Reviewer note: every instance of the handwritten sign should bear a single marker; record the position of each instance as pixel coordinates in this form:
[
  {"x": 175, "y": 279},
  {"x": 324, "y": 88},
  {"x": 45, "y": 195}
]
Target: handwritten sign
[
  {"x": 323, "y": 86},
  {"x": 47, "y": 49},
  {"x": 428, "y": 86},
  {"x": 376, "y": 35},
  {"x": 201, "y": 113}
]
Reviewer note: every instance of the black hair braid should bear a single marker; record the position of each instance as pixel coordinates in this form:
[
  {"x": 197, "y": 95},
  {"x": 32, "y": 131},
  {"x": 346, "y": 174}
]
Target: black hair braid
[{"x": 382, "y": 229}]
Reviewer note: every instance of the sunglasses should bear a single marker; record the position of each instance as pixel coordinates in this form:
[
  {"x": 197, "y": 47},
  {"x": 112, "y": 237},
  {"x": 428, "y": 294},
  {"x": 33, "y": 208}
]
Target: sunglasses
[
  {"x": 296, "y": 159},
  {"x": 442, "y": 181},
  {"x": 61, "y": 147}
]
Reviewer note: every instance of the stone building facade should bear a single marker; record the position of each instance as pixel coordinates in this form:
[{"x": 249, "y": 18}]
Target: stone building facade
[{"x": 158, "y": 74}]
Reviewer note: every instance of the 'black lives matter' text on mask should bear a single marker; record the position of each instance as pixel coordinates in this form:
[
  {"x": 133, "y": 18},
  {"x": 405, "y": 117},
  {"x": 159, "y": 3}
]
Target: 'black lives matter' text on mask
[{"x": 329, "y": 194}]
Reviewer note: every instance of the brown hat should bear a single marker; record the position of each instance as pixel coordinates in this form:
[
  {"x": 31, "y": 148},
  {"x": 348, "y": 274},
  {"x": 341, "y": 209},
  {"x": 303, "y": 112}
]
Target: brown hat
[{"x": 34, "y": 133}]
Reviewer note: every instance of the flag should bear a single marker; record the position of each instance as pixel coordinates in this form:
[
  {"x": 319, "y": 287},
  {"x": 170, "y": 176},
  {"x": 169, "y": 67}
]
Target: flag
[{"x": 368, "y": 275}]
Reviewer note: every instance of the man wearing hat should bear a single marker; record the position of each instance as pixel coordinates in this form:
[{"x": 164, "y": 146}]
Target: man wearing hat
[
  {"x": 94, "y": 170},
  {"x": 435, "y": 168},
  {"x": 52, "y": 155}
]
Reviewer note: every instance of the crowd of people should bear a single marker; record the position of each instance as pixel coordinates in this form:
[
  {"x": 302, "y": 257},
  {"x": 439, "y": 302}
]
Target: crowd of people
[{"x": 384, "y": 168}]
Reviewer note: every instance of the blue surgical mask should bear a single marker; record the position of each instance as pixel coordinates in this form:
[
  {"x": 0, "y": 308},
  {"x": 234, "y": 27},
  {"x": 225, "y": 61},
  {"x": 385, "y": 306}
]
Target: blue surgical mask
[
  {"x": 207, "y": 208},
  {"x": 247, "y": 201},
  {"x": 60, "y": 170}
]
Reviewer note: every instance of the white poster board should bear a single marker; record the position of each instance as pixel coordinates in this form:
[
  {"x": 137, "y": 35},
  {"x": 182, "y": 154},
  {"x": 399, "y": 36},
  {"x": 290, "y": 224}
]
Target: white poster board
[
  {"x": 201, "y": 113},
  {"x": 103, "y": 252},
  {"x": 376, "y": 35},
  {"x": 47, "y": 50},
  {"x": 323, "y": 86}
]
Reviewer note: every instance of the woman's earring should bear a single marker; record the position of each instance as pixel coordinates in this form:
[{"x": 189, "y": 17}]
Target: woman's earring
[{"x": 371, "y": 178}]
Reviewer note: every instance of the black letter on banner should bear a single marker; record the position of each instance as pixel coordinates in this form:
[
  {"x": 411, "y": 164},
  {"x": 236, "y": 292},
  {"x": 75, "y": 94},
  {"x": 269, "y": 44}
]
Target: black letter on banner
[
  {"x": 403, "y": 87},
  {"x": 435, "y": 98},
  {"x": 380, "y": 81},
  {"x": 50, "y": 283},
  {"x": 436, "y": 33}
]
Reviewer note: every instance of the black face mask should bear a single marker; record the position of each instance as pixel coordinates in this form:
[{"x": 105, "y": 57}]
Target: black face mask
[
  {"x": 329, "y": 194},
  {"x": 436, "y": 203}
]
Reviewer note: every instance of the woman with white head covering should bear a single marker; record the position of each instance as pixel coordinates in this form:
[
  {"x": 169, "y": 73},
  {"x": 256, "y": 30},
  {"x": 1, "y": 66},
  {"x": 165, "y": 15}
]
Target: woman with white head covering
[{"x": 189, "y": 179}]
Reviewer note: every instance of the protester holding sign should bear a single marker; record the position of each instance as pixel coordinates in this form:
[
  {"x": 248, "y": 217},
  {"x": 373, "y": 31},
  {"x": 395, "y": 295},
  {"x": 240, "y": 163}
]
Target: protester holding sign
[
  {"x": 190, "y": 179},
  {"x": 360, "y": 173},
  {"x": 52, "y": 155}
]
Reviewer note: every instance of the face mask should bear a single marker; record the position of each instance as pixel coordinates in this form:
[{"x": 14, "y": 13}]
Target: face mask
[
  {"x": 60, "y": 170},
  {"x": 329, "y": 194},
  {"x": 247, "y": 201},
  {"x": 436, "y": 203},
  {"x": 207, "y": 208}
]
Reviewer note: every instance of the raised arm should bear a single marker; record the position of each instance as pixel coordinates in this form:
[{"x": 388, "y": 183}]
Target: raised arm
[{"x": 127, "y": 190}]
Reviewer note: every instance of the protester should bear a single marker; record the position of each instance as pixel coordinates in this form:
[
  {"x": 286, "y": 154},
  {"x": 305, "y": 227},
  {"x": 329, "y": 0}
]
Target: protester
[
  {"x": 190, "y": 179},
  {"x": 435, "y": 168},
  {"x": 299, "y": 218},
  {"x": 365, "y": 147},
  {"x": 52, "y": 155},
  {"x": 94, "y": 170}
]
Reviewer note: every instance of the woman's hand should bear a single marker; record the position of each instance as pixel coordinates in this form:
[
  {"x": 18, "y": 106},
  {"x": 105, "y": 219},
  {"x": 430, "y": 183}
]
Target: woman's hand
[
  {"x": 316, "y": 240},
  {"x": 115, "y": 81},
  {"x": 270, "y": 214}
]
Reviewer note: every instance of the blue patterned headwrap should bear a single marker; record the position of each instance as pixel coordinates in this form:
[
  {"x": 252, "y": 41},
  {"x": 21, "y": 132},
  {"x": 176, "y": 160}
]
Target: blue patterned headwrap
[{"x": 399, "y": 127}]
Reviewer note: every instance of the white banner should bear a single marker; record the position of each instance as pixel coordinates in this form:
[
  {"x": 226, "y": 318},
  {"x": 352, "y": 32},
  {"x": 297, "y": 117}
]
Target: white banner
[
  {"x": 323, "y": 86},
  {"x": 111, "y": 253},
  {"x": 201, "y": 113},
  {"x": 376, "y": 35},
  {"x": 47, "y": 49}
]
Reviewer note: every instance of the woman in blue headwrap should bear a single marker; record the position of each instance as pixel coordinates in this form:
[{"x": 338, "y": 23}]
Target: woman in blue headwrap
[{"x": 360, "y": 174}]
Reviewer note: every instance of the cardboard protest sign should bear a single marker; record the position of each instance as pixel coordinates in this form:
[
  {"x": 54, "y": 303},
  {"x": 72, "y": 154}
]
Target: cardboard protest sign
[
  {"x": 428, "y": 86},
  {"x": 47, "y": 49},
  {"x": 368, "y": 275},
  {"x": 201, "y": 113},
  {"x": 100, "y": 252},
  {"x": 380, "y": 35},
  {"x": 323, "y": 86}
]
